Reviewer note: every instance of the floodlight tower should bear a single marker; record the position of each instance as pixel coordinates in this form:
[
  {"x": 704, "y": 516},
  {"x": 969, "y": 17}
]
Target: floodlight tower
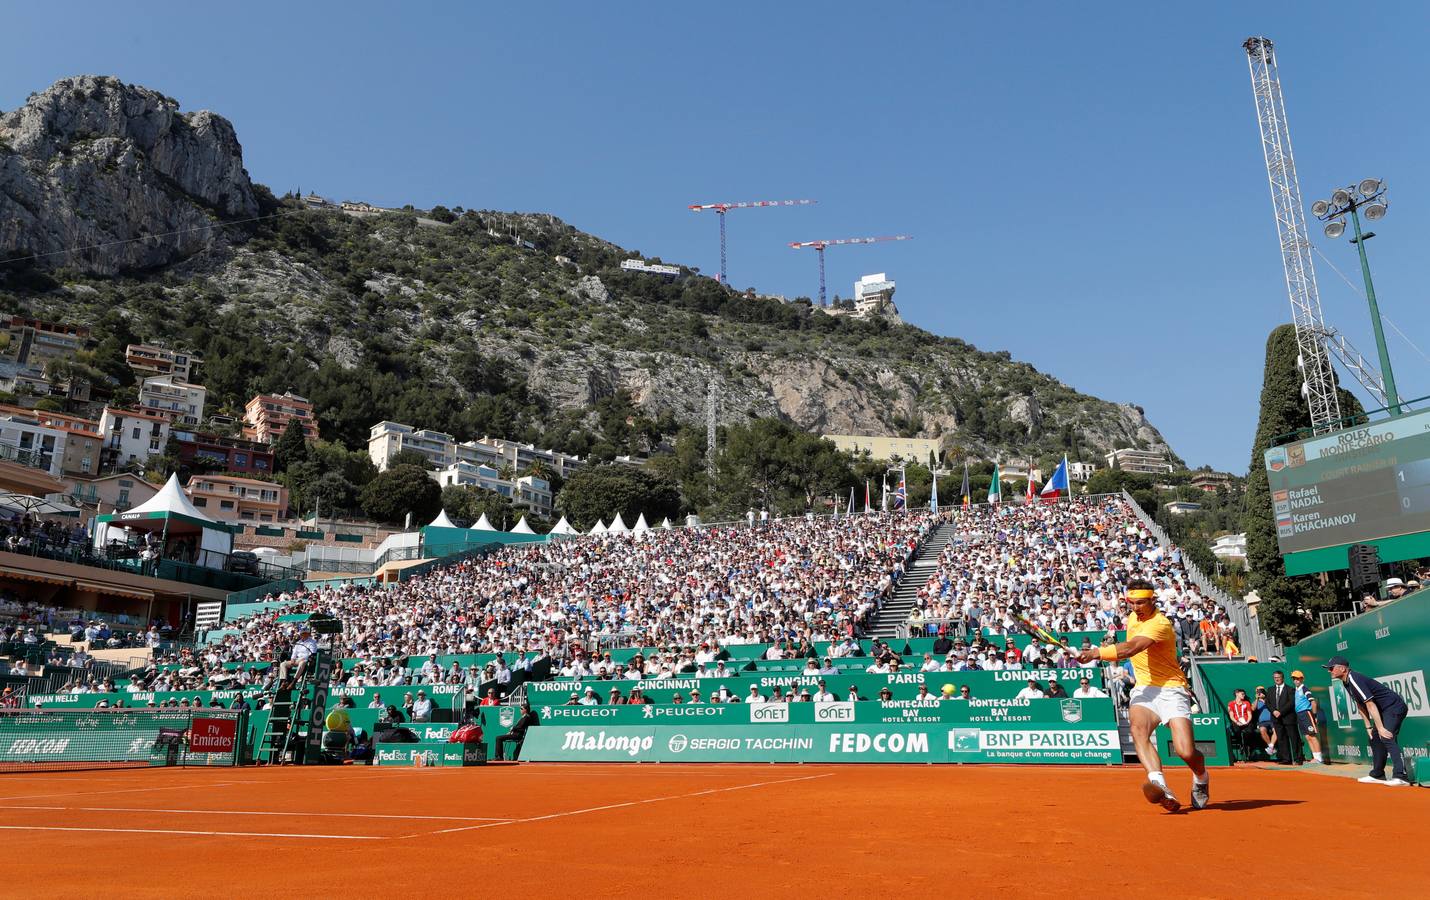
[
  {"x": 1319, "y": 384},
  {"x": 820, "y": 245},
  {"x": 722, "y": 208},
  {"x": 1368, "y": 195}
]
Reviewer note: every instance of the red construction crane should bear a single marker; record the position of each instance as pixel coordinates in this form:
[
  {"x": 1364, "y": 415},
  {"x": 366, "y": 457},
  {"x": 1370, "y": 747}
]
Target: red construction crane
[
  {"x": 820, "y": 245},
  {"x": 722, "y": 208}
]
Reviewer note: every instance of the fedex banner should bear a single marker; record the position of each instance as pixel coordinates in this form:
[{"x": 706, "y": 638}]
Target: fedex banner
[{"x": 826, "y": 743}]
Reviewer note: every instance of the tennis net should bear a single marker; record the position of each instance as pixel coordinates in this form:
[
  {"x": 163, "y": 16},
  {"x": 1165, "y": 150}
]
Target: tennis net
[{"x": 43, "y": 739}]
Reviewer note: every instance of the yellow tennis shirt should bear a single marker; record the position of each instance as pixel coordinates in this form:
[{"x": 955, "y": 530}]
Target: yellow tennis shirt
[{"x": 1157, "y": 665}]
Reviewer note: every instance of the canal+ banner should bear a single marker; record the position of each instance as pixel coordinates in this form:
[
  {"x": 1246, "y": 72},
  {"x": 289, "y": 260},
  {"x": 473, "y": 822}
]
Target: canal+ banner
[{"x": 1002, "y": 742}]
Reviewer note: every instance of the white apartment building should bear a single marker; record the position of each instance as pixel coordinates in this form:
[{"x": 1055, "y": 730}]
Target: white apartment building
[
  {"x": 25, "y": 440},
  {"x": 131, "y": 436},
  {"x": 1151, "y": 462},
  {"x": 387, "y": 439},
  {"x": 1080, "y": 471},
  {"x": 519, "y": 456},
  {"x": 528, "y": 491},
  {"x": 170, "y": 395}
]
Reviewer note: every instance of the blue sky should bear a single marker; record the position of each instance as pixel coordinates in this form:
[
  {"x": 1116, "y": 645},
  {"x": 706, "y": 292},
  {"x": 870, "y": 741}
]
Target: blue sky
[{"x": 1083, "y": 181}]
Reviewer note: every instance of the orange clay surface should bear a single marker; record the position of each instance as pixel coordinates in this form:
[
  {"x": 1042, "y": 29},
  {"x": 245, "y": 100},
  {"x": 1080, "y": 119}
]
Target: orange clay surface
[{"x": 699, "y": 831}]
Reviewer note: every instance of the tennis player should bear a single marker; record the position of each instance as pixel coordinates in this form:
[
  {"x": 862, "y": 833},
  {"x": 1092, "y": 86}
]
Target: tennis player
[{"x": 1160, "y": 694}]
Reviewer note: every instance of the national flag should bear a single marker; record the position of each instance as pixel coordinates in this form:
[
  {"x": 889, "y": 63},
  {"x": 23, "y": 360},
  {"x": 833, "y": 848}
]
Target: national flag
[
  {"x": 867, "y": 507},
  {"x": 1280, "y": 496},
  {"x": 1057, "y": 486},
  {"x": 1028, "y": 494},
  {"x": 964, "y": 492},
  {"x": 995, "y": 488},
  {"x": 933, "y": 495},
  {"x": 901, "y": 494},
  {"x": 884, "y": 499}
]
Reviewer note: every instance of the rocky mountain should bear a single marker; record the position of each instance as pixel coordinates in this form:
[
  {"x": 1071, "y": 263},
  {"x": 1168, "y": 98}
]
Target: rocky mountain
[
  {"x": 93, "y": 161},
  {"x": 464, "y": 321}
]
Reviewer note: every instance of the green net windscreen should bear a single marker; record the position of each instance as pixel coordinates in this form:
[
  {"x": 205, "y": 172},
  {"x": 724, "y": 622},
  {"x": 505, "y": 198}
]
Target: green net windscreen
[{"x": 33, "y": 739}]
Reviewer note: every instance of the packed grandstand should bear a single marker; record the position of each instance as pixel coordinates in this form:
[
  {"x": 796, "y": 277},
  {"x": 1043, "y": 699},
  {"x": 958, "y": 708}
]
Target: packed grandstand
[{"x": 793, "y": 588}]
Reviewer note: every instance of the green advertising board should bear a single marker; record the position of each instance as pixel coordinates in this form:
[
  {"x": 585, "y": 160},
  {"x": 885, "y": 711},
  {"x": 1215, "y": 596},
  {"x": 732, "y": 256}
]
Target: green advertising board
[
  {"x": 904, "y": 685},
  {"x": 869, "y": 712},
  {"x": 848, "y": 743},
  {"x": 1390, "y": 645},
  {"x": 1209, "y": 735},
  {"x": 68, "y": 736},
  {"x": 429, "y": 753}
]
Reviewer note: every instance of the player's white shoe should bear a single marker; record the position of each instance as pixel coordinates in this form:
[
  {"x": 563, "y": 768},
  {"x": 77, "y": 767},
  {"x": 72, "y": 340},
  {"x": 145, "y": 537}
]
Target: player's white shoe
[
  {"x": 1397, "y": 782},
  {"x": 1370, "y": 779},
  {"x": 1156, "y": 793},
  {"x": 1201, "y": 795}
]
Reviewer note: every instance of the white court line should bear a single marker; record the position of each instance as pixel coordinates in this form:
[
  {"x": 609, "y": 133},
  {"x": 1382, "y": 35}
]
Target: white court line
[
  {"x": 628, "y": 803},
  {"x": 240, "y": 812},
  {"x": 275, "y": 834}
]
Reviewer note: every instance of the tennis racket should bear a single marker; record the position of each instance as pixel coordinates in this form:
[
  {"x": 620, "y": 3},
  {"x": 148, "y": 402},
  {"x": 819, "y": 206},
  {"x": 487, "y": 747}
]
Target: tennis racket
[{"x": 1038, "y": 632}]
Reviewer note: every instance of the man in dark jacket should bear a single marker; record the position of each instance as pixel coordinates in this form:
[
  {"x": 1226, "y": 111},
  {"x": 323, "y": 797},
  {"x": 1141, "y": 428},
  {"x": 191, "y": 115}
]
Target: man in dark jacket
[
  {"x": 517, "y": 734},
  {"x": 1281, "y": 700}
]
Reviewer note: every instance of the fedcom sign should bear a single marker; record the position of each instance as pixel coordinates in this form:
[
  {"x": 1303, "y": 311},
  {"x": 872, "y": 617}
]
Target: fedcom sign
[{"x": 915, "y": 742}]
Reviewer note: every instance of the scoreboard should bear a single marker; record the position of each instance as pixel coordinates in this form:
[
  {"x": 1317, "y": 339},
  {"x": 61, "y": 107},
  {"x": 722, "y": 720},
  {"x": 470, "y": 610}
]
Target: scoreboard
[{"x": 1352, "y": 486}]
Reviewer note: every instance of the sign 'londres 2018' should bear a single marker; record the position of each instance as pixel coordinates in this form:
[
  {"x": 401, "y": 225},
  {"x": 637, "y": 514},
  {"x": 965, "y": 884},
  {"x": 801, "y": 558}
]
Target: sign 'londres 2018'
[{"x": 1354, "y": 485}]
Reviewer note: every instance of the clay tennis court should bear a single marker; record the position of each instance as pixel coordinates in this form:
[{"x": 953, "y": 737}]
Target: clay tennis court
[{"x": 686, "y": 831}]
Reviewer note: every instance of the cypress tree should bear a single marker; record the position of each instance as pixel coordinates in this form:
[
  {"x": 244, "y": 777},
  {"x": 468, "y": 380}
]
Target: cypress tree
[
  {"x": 1288, "y": 605},
  {"x": 292, "y": 447}
]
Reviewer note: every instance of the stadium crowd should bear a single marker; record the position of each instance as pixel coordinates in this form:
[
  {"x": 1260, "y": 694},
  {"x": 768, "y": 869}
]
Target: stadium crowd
[
  {"x": 806, "y": 580},
  {"x": 1066, "y": 566}
]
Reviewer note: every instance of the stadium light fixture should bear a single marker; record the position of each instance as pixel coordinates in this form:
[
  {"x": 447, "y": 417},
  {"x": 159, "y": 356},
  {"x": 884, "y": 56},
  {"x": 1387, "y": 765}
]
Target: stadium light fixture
[{"x": 1367, "y": 194}]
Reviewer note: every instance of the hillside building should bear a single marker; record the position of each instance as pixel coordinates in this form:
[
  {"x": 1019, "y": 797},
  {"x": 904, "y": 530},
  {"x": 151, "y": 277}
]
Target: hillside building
[
  {"x": 1150, "y": 462},
  {"x": 23, "y": 439},
  {"x": 886, "y": 448},
  {"x": 225, "y": 453},
  {"x": 1210, "y": 481},
  {"x": 172, "y": 396},
  {"x": 131, "y": 436},
  {"x": 266, "y": 416},
  {"x": 1080, "y": 471},
  {"x": 229, "y": 498},
  {"x": 150, "y": 359}
]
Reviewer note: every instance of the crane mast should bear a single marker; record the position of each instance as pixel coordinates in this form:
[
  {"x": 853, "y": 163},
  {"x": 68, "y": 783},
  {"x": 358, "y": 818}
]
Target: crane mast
[{"x": 1315, "y": 360}]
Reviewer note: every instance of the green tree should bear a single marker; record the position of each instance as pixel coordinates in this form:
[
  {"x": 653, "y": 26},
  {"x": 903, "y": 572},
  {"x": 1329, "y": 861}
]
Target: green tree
[
  {"x": 409, "y": 458},
  {"x": 292, "y": 446},
  {"x": 599, "y": 492},
  {"x": 400, "y": 490},
  {"x": 1288, "y": 605},
  {"x": 467, "y": 502}
]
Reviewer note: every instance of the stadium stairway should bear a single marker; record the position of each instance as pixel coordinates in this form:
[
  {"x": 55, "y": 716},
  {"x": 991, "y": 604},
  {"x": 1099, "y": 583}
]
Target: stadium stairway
[{"x": 896, "y": 610}]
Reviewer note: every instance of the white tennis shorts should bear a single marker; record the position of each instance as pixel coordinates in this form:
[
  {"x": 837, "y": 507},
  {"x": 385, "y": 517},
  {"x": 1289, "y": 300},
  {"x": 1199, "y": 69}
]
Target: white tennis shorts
[{"x": 1167, "y": 702}]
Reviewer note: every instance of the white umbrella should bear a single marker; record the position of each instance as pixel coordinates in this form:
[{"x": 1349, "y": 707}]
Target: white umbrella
[
  {"x": 641, "y": 526},
  {"x": 665, "y": 523},
  {"x": 442, "y": 521},
  {"x": 618, "y": 526},
  {"x": 482, "y": 524},
  {"x": 37, "y": 506},
  {"x": 564, "y": 527},
  {"x": 521, "y": 527},
  {"x": 598, "y": 528}
]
